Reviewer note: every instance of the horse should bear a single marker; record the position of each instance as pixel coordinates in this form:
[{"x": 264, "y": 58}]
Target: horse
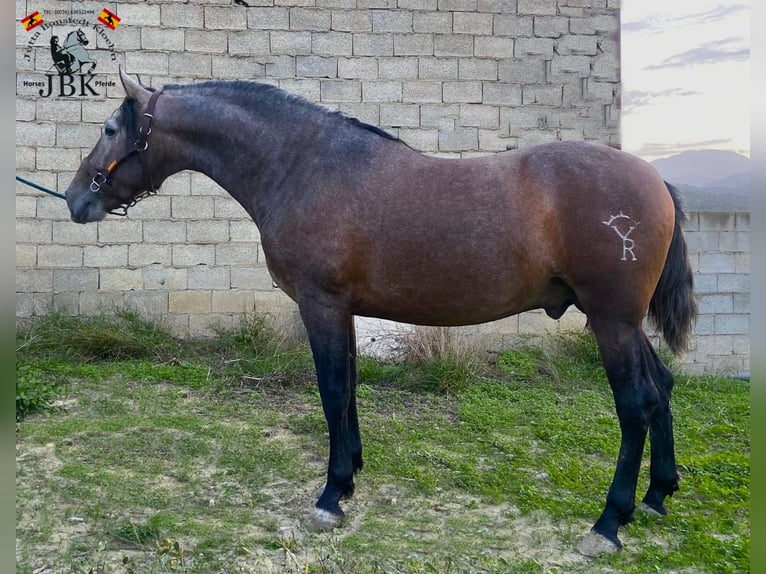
[
  {"x": 354, "y": 222},
  {"x": 75, "y": 53}
]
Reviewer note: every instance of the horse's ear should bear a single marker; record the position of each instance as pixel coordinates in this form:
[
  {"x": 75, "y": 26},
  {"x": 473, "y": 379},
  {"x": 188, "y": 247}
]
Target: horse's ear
[{"x": 134, "y": 90}]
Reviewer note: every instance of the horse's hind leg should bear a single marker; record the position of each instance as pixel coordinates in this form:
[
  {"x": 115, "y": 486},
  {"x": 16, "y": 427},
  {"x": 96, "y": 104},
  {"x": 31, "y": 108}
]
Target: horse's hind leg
[
  {"x": 662, "y": 472},
  {"x": 635, "y": 397},
  {"x": 353, "y": 418}
]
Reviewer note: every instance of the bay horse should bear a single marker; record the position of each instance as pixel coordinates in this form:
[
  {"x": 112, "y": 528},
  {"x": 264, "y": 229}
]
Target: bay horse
[{"x": 355, "y": 222}]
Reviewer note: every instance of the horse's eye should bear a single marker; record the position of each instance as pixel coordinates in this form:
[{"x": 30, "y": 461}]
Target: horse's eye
[{"x": 109, "y": 131}]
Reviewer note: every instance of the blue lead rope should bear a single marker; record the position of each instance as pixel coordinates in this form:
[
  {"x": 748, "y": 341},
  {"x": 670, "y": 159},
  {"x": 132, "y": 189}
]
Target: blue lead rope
[{"x": 40, "y": 187}]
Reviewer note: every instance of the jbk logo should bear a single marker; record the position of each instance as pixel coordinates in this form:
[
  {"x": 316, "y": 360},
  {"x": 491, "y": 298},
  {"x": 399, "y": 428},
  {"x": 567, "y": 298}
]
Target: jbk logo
[{"x": 70, "y": 45}]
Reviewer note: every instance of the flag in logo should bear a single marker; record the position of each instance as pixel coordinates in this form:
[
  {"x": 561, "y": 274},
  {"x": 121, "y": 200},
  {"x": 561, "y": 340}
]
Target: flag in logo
[
  {"x": 31, "y": 21},
  {"x": 109, "y": 19}
]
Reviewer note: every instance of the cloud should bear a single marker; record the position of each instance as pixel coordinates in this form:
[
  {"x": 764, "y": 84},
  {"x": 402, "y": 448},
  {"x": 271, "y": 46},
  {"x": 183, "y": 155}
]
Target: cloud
[
  {"x": 659, "y": 24},
  {"x": 663, "y": 149},
  {"x": 709, "y": 53},
  {"x": 634, "y": 99}
]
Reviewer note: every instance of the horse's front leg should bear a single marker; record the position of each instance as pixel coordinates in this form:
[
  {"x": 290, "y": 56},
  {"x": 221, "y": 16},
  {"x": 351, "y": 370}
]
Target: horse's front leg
[{"x": 328, "y": 330}]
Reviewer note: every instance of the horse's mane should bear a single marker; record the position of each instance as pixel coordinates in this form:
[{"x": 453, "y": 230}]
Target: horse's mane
[{"x": 277, "y": 97}]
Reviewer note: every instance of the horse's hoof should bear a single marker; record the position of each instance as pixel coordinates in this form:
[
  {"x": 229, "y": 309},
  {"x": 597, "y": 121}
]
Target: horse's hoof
[
  {"x": 651, "y": 511},
  {"x": 324, "y": 519},
  {"x": 594, "y": 544}
]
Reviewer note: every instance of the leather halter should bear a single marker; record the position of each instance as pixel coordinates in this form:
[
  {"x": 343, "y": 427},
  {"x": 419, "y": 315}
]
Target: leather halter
[{"x": 102, "y": 178}]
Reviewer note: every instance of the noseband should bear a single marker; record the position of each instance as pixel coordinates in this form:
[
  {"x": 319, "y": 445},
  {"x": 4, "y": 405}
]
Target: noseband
[{"x": 102, "y": 178}]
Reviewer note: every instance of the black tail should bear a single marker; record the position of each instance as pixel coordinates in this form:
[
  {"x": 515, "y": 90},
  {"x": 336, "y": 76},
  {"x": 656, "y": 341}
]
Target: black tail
[{"x": 673, "y": 308}]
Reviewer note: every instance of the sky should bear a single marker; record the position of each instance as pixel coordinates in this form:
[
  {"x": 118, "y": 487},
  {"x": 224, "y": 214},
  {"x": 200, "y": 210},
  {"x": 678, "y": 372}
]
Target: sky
[{"x": 685, "y": 76}]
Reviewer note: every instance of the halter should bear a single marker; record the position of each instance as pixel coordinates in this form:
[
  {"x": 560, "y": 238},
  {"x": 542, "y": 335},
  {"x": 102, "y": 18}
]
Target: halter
[{"x": 102, "y": 179}]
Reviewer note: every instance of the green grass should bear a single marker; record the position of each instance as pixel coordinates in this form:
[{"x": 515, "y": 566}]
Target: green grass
[{"x": 206, "y": 457}]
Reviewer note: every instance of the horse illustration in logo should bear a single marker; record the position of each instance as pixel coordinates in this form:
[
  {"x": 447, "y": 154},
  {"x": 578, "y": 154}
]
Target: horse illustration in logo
[{"x": 72, "y": 56}]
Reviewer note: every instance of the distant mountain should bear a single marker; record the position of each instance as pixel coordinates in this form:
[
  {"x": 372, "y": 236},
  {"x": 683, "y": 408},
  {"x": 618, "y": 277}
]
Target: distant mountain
[
  {"x": 710, "y": 180},
  {"x": 702, "y": 168}
]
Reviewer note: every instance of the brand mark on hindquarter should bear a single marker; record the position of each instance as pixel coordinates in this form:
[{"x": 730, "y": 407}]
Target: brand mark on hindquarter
[{"x": 623, "y": 226}]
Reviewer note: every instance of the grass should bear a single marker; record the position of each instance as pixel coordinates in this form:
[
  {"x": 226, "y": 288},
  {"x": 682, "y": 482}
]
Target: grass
[{"x": 140, "y": 453}]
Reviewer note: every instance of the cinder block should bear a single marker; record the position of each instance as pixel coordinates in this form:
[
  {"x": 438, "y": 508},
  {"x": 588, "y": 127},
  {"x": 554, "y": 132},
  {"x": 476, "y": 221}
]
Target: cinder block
[
  {"x": 513, "y": 25},
  {"x": 119, "y": 231},
  {"x": 190, "y": 65},
  {"x": 191, "y": 302},
  {"x": 358, "y": 68},
  {"x": 413, "y": 45},
  {"x": 236, "y": 254},
  {"x": 399, "y": 115},
  {"x": 742, "y": 221},
  {"x": 75, "y": 279},
  {"x": 417, "y": 4},
  {"x": 563, "y": 65},
  {"x": 421, "y": 139},
  {"x": 388, "y": 91},
  {"x": 33, "y": 304},
  {"x": 162, "y": 39},
  {"x": 706, "y": 283},
  {"x": 398, "y": 68},
  {"x": 239, "y": 301},
  {"x": 251, "y": 42},
  {"x": 548, "y": 95},
  {"x": 717, "y": 263},
  {"x": 422, "y": 92},
  {"x": 34, "y": 232},
  {"x": 433, "y": 115},
  {"x": 391, "y": 21},
  {"x": 101, "y": 302},
  {"x": 575, "y": 45},
  {"x": 471, "y": 69},
  {"x": 316, "y": 67},
  {"x": 741, "y": 303},
  {"x": 207, "y": 231},
  {"x": 51, "y": 207},
  {"x": 742, "y": 262},
  {"x": 252, "y": 278},
  {"x": 525, "y": 47},
  {"x": 143, "y": 254},
  {"x": 432, "y": 22},
  {"x": 290, "y": 43},
  {"x": 105, "y": 256},
  {"x": 352, "y": 20},
  {"x": 536, "y": 7},
  {"x": 536, "y": 323},
  {"x": 309, "y": 89},
  {"x": 479, "y": 116},
  {"x": 144, "y": 62},
  {"x": 166, "y": 278},
  {"x": 192, "y": 207},
  {"x": 140, "y": 14},
  {"x": 25, "y": 158},
  {"x": 59, "y": 256},
  {"x": 734, "y": 241},
  {"x": 365, "y": 112},
  {"x": 203, "y": 277},
  {"x": 164, "y": 231},
  {"x": 181, "y": 16},
  {"x": 462, "y": 92},
  {"x": 715, "y": 303},
  {"x": 309, "y": 19},
  {"x": 150, "y": 304},
  {"x": 190, "y": 255},
  {"x": 206, "y": 41},
  {"x": 457, "y": 5},
  {"x": 495, "y": 140},
  {"x": 332, "y": 43},
  {"x": 34, "y": 280},
  {"x": 472, "y": 23},
  {"x": 732, "y": 324},
  {"x": 68, "y": 233},
  {"x": 373, "y": 45},
  {"x": 120, "y": 279},
  {"x": 228, "y": 208},
  {"x": 502, "y": 94},
  {"x": 35, "y": 135},
  {"x": 459, "y": 139},
  {"x": 67, "y": 302},
  {"x": 453, "y": 45},
  {"x": 551, "y": 26},
  {"x": 225, "y": 18},
  {"x": 341, "y": 91},
  {"x": 26, "y": 255},
  {"x": 54, "y": 110},
  {"x": 437, "y": 68},
  {"x": 732, "y": 283},
  {"x": 26, "y": 206}
]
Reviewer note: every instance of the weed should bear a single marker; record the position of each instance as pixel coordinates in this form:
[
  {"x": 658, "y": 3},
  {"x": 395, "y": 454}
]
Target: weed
[{"x": 35, "y": 391}]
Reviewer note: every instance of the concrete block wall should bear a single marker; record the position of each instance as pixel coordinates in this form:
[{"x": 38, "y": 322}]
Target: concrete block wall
[{"x": 453, "y": 78}]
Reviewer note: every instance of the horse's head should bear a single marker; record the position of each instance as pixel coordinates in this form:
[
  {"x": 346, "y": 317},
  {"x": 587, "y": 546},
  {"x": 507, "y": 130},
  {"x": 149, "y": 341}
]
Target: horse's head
[
  {"x": 115, "y": 173},
  {"x": 81, "y": 37}
]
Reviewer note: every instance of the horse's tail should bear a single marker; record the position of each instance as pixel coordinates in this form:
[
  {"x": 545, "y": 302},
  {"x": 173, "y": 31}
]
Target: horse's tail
[{"x": 673, "y": 308}]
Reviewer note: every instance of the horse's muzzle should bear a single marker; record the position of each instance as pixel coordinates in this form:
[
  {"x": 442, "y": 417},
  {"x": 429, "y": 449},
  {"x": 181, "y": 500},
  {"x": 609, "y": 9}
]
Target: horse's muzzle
[{"x": 85, "y": 206}]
